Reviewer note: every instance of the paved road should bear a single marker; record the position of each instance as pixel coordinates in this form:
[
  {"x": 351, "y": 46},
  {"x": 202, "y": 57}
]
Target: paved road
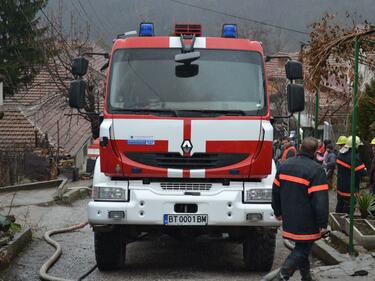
[{"x": 154, "y": 258}]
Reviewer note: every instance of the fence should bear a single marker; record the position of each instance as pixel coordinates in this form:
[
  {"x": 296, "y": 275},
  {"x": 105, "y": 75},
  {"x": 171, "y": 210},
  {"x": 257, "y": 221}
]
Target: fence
[{"x": 22, "y": 166}]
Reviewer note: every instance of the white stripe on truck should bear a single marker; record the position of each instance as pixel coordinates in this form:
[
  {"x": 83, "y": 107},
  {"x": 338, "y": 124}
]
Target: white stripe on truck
[
  {"x": 175, "y": 42},
  {"x": 201, "y": 131},
  {"x": 199, "y": 173},
  {"x": 224, "y": 130},
  {"x": 150, "y": 130},
  {"x": 175, "y": 173}
]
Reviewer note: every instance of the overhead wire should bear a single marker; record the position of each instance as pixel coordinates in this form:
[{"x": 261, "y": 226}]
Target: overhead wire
[
  {"x": 63, "y": 38},
  {"x": 67, "y": 45},
  {"x": 102, "y": 20},
  {"x": 289, "y": 29},
  {"x": 99, "y": 30},
  {"x": 56, "y": 30}
]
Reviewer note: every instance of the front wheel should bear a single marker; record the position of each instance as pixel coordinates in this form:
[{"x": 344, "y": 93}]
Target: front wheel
[
  {"x": 110, "y": 249},
  {"x": 259, "y": 248}
]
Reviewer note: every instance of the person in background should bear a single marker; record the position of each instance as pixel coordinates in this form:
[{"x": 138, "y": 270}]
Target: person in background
[
  {"x": 320, "y": 145},
  {"x": 319, "y": 154},
  {"x": 322, "y": 151},
  {"x": 344, "y": 165},
  {"x": 289, "y": 150},
  {"x": 276, "y": 150},
  {"x": 341, "y": 141},
  {"x": 372, "y": 169},
  {"x": 300, "y": 200},
  {"x": 329, "y": 163}
]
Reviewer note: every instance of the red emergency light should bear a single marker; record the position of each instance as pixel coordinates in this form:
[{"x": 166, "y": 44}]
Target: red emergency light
[{"x": 188, "y": 29}]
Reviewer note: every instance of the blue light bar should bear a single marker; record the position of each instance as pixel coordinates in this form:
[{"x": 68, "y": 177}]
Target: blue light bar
[
  {"x": 146, "y": 29},
  {"x": 230, "y": 30}
]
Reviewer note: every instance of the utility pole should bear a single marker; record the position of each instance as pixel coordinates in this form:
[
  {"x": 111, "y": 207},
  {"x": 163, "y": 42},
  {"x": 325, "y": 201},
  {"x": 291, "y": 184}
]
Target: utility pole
[{"x": 354, "y": 134}]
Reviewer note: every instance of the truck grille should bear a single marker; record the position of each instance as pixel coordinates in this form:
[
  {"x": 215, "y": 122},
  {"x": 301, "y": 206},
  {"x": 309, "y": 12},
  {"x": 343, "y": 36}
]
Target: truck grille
[
  {"x": 177, "y": 161},
  {"x": 185, "y": 186}
]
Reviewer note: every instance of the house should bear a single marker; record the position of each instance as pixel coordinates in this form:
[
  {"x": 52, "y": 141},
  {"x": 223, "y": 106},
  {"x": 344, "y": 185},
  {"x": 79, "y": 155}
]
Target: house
[
  {"x": 39, "y": 129},
  {"x": 334, "y": 97}
]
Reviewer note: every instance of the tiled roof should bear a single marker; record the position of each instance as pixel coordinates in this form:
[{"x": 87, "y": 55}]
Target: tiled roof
[
  {"x": 73, "y": 130},
  {"x": 43, "y": 85},
  {"x": 39, "y": 107},
  {"x": 276, "y": 67},
  {"x": 16, "y": 132}
]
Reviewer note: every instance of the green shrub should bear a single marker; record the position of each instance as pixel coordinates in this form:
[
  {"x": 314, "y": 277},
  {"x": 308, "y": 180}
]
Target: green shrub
[{"x": 365, "y": 204}]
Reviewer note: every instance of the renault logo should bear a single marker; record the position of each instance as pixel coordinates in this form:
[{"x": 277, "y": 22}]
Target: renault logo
[{"x": 186, "y": 146}]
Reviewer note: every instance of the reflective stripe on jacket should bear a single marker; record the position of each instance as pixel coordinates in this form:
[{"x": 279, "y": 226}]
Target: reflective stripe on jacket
[
  {"x": 344, "y": 172},
  {"x": 288, "y": 153},
  {"x": 300, "y": 197}
]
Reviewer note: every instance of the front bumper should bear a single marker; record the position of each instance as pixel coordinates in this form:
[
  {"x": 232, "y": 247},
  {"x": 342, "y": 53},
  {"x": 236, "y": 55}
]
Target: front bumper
[{"x": 148, "y": 203}]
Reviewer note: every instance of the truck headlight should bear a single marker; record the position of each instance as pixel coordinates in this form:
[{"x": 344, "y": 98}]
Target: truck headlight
[
  {"x": 258, "y": 195},
  {"x": 110, "y": 193}
]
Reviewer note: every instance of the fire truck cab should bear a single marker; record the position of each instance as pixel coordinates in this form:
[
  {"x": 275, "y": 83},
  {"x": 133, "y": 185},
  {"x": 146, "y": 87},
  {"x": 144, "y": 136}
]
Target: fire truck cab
[{"x": 185, "y": 142}]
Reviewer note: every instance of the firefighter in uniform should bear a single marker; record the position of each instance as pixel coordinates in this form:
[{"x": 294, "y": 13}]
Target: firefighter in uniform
[
  {"x": 344, "y": 173},
  {"x": 341, "y": 141},
  {"x": 300, "y": 200}
]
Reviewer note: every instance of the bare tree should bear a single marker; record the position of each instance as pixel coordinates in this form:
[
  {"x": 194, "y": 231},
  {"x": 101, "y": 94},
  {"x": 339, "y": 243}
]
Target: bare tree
[
  {"x": 278, "y": 97},
  {"x": 329, "y": 60},
  {"x": 60, "y": 53},
  {"x": 262, "y": 34},
  {"x": 329, "y": 56}
]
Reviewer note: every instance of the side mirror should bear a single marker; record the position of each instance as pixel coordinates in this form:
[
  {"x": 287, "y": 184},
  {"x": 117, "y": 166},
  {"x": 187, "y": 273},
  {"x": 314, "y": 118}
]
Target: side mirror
[
  {"x": 77, "y": 94},
  {"x": 95, "y": 126},
  {"x": 80, "y": 66},
  {"x": 186, "y": 70},
  {"x": 294, "y": 70},
  {"x": 296, "y": 98}
]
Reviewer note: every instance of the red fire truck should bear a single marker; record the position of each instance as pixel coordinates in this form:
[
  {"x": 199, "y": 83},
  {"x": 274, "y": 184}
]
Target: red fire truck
[{"x": 185, "y": 141}]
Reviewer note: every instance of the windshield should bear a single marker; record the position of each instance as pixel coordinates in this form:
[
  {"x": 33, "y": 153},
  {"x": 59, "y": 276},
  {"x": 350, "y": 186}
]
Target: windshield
[{"x": 227, "y": 81}]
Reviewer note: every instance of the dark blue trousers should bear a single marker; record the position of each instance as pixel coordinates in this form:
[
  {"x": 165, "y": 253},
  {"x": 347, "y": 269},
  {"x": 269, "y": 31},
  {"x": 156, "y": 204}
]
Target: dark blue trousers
[{"x": 298, "y": 259}]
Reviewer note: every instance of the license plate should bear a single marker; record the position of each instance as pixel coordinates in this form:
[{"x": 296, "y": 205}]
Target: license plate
[{"x": 185, "y": 219}]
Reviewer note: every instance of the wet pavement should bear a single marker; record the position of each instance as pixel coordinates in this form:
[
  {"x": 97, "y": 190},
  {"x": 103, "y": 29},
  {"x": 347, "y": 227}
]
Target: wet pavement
[
  {"x": 27, "y": 197},
  {"x": 153, "y": 258}
]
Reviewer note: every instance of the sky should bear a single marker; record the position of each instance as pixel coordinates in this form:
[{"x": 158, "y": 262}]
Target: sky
[{"x": 281, "y": 24}]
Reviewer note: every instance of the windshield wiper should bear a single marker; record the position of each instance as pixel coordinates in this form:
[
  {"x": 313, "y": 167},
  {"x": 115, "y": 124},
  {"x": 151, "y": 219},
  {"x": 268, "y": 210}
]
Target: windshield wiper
[
  {"x": 141, "y": 111},
  {"x": 182, "y": 113},
  {"x": 206, "y": 112}
]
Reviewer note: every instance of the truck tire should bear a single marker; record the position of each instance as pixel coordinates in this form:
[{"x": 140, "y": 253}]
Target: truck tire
[
  {"x": 259, "y": 249},
  {"x": 110, "y": 249}
]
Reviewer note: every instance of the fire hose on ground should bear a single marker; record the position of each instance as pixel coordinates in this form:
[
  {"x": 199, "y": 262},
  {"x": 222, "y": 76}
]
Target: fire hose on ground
[
  {"x": 43, "y": 275},
  {"x": 43, "y": 272}
]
